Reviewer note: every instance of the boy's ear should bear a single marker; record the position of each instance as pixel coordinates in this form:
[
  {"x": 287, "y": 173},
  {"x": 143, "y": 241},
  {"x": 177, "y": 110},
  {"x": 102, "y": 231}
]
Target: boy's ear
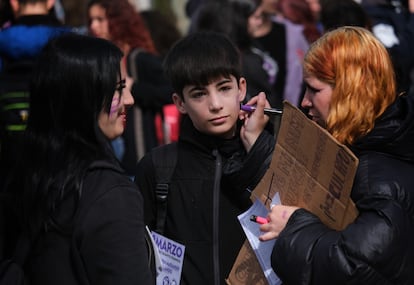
[
  {"x": 242, "y": 89},
  {"x": 179, "y": 103}
]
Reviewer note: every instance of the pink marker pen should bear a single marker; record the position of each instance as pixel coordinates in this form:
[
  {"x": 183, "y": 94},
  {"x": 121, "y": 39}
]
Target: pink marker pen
[{"x": 258, "y": 219}]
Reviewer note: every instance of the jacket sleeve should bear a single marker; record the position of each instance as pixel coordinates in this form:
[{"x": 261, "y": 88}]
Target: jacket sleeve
[
  {"x": 245, "y": 171},
  {"x": 112, "y": 244},
  {"x": 371, "y": 250}
]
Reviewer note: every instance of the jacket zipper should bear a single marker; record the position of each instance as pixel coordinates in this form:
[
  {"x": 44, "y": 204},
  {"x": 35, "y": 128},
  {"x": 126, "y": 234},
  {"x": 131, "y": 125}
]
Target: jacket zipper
[{"x": 216, "y": 201}]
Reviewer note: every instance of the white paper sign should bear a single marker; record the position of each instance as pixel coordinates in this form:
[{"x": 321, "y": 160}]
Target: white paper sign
[
  {"x": 171, "y": 255},
  {"x": 263, "y": 250}
]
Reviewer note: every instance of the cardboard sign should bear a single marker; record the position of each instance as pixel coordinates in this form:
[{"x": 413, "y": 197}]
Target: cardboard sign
[
  {"x": 246, "y": 270},
  {"x": 309, "y": 169}
]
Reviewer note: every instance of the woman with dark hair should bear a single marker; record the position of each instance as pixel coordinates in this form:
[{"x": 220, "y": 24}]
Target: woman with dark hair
[
  {"x": 119, "y": 22},
  {"x": 70, "y": 197}
]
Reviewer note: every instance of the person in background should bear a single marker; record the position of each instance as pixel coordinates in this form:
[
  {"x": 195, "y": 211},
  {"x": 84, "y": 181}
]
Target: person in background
[
  {"x": 165, "y": 33},
  {"x": 299, "y": 12},
  {"x": 192, "y": 6},
  {"x": 393, "y": 24},
  {"x": 359, "y": 105},
  {"x": 31, "y": 24},
  {"x": 27, "y": 28},
  {"x": 191, "y": 10},
  {"x": 119, "y": 22},
  {"x": 163, "y": 30},
  {"x": 338, "y": 13},
  {"x": 286, "y": 44},
  {"x": 316, "y": 6},
  {"x": 232, "y": 18},
  {"x": 222, "y": 153},
  {"x": 70, "y": 197}
]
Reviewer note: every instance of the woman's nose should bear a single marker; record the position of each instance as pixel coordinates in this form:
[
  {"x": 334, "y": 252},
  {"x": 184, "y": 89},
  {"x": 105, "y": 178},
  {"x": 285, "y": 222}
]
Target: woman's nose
[
  {"x": 127, "y": 98},
  {"x": 306, "y": 103}
]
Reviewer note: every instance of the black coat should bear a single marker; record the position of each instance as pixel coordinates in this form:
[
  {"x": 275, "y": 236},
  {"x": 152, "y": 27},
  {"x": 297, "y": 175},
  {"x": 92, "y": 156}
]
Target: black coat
[
  {"x": 106, "y": 244},
  {"x": 377, "y": 248},
  {"x": 205, "y": 197}
]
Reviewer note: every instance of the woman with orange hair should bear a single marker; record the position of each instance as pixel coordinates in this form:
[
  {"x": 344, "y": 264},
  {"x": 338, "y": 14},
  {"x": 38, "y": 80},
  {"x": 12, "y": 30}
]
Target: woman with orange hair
[
  {"x": 119, "y": 22},
  {"x": 351, "y": 91}
]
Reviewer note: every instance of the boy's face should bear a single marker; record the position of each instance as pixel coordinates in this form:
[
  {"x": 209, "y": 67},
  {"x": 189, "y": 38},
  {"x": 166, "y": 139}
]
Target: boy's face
[{"x": 213, "y": 108}]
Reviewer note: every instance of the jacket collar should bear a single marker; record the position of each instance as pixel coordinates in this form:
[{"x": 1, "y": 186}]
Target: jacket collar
[{"x": 393, "y": 132}]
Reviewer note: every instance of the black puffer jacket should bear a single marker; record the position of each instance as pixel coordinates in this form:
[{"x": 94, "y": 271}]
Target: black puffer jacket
[
  {"x": 207, "y": 192},
  {"x": 378, "y": 247}
]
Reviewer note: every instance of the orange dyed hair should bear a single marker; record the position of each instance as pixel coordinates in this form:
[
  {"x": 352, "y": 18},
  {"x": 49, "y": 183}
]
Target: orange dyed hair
[{"x": 359, "y": 69}]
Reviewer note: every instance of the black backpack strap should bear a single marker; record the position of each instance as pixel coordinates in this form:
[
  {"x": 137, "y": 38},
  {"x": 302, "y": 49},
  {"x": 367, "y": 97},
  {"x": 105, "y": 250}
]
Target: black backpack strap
[{"x": 164, "y": 159}]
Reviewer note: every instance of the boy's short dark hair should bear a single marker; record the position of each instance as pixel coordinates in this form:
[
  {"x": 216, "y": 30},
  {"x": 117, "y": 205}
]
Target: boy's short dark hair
[{"x": 200, "y": 58}]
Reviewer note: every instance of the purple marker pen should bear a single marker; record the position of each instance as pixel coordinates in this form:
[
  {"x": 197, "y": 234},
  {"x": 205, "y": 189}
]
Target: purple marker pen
[{"x": 267, "y": 111}]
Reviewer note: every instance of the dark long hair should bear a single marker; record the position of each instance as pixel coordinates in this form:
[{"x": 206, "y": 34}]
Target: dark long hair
[{"x": 74, "y": 80}]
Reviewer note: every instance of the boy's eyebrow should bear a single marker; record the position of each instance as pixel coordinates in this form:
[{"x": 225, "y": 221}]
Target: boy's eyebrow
[
  {"x": 224, "y": 81},
  {"x": 196, "y": 88},
  {"x": 201, "y": 87}
]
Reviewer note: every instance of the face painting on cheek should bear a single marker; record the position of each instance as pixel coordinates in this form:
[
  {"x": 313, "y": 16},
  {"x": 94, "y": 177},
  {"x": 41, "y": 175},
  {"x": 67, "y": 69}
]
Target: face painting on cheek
[{"x": 115, "y": 106}]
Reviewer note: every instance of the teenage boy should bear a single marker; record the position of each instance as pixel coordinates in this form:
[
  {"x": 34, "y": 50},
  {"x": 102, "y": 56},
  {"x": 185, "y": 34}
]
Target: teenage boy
[{"x": 222, "y": 153}]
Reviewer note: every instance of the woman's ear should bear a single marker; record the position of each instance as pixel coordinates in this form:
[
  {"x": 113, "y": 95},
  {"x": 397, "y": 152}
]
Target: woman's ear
[
  {"x": 179, "y": 103},
  {"x": 242, "y": 89}
]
